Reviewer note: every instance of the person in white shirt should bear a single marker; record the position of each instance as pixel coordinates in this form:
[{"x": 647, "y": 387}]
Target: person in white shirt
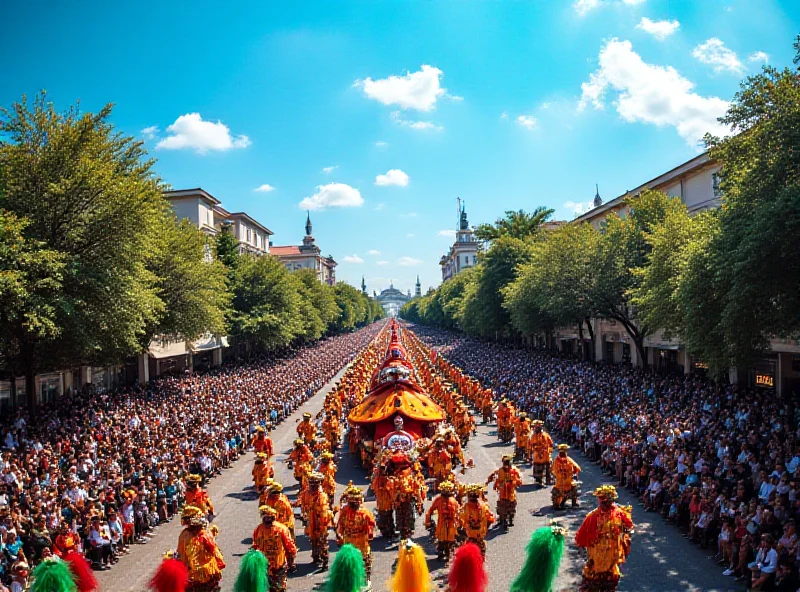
[
  {"x": 762, "y": 570},
  {"x": 99, "y": 545}
]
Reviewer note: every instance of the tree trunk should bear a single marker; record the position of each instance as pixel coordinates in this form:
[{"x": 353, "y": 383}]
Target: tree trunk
[
  {"x": 30, "y": 389},
  {"x": 12, "y": 381},
  {"x": 580, "y": 340},
  {"x": 591, "y": 339}
]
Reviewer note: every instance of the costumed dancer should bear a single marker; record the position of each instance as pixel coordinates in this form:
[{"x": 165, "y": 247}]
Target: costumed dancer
[
  {"x": 411, "y": 573},
  {"x": 81, "y": 572},
  {"x": 476, "y": 517},
  {"x": 446, "y": 528},
  {"x": 199, "y": 552},
  {"x": 347, "y": 571},
  {"x": 356, "y": 525},
  {"x": 565, "y": 470},
  {"x": 282, "y": 506},
  {"x": 606, "y": 536},
  {"x": 262, "y": 471},
  {"x": 468, "y": 572},
  {"x": 506, "y": 481},
  {"x": 50, "y": 575},
  {"x": 384, "y": 487},
  {"x": 252, "y": 573},
  {"x": 300, "y": 460},
  {"x": 541, "y": 449},
  {"x": 273, "y": 540},
  {"x": 307, "y": 430},
  {"x": 198, "y": 497},
  {"x": 318, "y": 518},
  {"x": 328, "y": 469},
  {"x": 262, "y": 443},
  {"x": 543, "y": 558},
  {"x": 171, "y": 576},
  {"x": 522, "y": 433}
]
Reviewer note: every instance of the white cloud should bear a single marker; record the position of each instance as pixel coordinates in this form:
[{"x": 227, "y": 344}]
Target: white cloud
[
  {"x": 190, "y": 131},
  {"x": 410, "y": 235},
  {"x": 353, "y": 259},
  {"x": 651, "y": 94},
  {"x": 392, "y": 177},
  {"x": 504, "y": 115},
  {"x": 417, "y": 125},
  {"x": 329, "y": 169},
  {"x": 409, "y": 215},
  {"x": 418, "y": 90},
  {"x": 756, "y": 56},
  {"x": 447, "y": 233},
  {"x": 714, "y": 53},
  {"x": 381, "y": 144},
  {"x": 373, "y": 252},
  {"x": 381, "y": 263},
  {"x": 333, "y": 195},
  {"x": 408, "y": 261},
  {"x": 633, "y": 2},
  {"x": 527, "y": 121},
  {"x": 265, "y": 188},
  {"x": 658, "y": 29},
  {"x": 150, "y": 132},
  {"x": 584, "y": 6},
  {"x": 578, "y": 208},
  {"x": 454, "y": 98}
]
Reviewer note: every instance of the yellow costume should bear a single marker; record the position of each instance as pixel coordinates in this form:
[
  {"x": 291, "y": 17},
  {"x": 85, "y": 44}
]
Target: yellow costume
[{"x": 356, "y": 525}]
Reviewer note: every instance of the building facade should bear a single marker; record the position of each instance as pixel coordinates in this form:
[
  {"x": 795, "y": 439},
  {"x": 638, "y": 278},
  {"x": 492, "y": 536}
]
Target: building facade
[
  {"x": 307, "y": 256},
  {"x": 392, "y": 300},
  {"x": 464, "y": 252},
  {"x": 696, "y": 183}
]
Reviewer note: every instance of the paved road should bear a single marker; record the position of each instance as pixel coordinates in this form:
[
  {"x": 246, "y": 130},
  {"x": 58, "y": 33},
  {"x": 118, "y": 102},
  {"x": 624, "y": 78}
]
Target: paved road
[{"x": 661, "y": 559}]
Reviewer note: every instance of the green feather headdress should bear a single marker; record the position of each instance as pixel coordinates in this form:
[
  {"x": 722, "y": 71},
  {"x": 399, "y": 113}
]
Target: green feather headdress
[
  {"x": 347, "y": 572},
  {"x": 543, "y": 559},
  {"x": 53, "y": 576},
  {"x": 252, "y": 573}
]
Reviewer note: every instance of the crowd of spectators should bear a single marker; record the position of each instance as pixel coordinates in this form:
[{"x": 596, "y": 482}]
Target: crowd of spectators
[
  {"x": 719, "y": 461},
  {"x": 98, "y": 472}
]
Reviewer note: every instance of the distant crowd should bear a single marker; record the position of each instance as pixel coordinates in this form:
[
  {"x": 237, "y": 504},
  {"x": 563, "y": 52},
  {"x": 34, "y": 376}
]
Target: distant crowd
[
  {"x": 99, "y": 472},
  {"x": 720, "y": 462}
]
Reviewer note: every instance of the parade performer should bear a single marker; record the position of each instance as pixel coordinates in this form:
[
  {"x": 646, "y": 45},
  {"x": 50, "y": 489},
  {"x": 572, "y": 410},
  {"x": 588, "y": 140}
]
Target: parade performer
[
  {"x": 606, "y": 535},
  {"x": 282, "y": 506},
  {"x": 440, "y": 462},
  {"x": 452, "y": 443},
  {"x": 198, "y": 497},
  {"x": 262, "y": 443},
  {"x": 411, "y": 573},
  {"x": 476, "y": 517},
  {"x": 307, "y": 430},
  {"x": 398, "y": 438},
  {"x": 66, "y": 540},
  {"x": 199, "y": 552},
  {"x": 565, "y": 470},
  {"x": 384, "y": 487},
  {"x": 541, "y": 449},
  {"x": 543, "y": 558},
  {"x": 347, "y": 571},
  {"x": 506, "y": 481},
  {"x": 468, "y": 572},
  {"x": 300, "y": 459},
  {"x": 522, "y": 432},
  {"x": 171, "y": 576},
  {"x": 407, "y": 490},
  {"x": 446, "y": 528},
  {"x": 274, "y": 540},
  {"x": 505, "y": 414},
  {"x": 487, "y": 406},
  {"x": 328, "y": 469},
  {"x": 331, "y": 429},
  {"x": 252, "y": 573},
  {"x": 50, "y": 575},
  {"x": 318, "y": 518},
  {"x": 262, "y": 471},
  {"x": 81, "y": 572},
  {"x": 356, "y": 525}
]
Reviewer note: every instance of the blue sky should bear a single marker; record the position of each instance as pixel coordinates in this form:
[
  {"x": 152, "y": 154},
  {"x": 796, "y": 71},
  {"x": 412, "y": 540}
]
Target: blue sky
[{"x": 380, "y": 114}]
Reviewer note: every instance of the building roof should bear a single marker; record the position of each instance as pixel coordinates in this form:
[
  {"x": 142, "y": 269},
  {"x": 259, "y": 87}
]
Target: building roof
[
  {"x": 288, "y": 250},
  {"x": 197, "y": 191},
  {"x": 252, "y": 221}
]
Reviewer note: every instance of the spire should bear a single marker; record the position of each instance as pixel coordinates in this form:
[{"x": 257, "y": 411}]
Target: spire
[
  {"x": 418, "y": 289},
  {"x": 308, "y": 223},
  {"x": 598, "y": 201},
  {"x": 363, "y": 286},
  {"x": 464, "y": 224}
]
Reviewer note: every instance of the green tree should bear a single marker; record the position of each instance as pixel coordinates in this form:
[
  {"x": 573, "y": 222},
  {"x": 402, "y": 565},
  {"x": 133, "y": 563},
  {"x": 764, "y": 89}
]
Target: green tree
[
  {"x": 226, "y": 247},
  {"x": 266, "y": 304},
  {"x": 451, "y": 296},
  {"x": 516, "y": 224},
  {"x": 321, "y": 297},
  {"x": 191, "y": 284},
  {"x": 90, "y": 195}
]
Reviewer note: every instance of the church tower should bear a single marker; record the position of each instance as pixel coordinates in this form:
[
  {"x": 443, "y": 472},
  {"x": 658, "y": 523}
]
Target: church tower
[
  {"x": 363, "y": 286},
  {"x": 417, "y": 289}
]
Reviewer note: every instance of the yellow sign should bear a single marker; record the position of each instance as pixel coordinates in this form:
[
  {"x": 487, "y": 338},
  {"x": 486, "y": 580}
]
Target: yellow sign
[{"x": 765, "y": 380}]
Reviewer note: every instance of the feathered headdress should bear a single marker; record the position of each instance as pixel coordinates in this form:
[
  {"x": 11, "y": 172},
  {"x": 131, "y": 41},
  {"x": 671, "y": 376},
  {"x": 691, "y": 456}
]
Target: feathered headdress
[
  {"x": 252, "y": 573},
  {"x": 171, "y": 576},
  {"x": 81, "y": 572},
  {"x": 543, "y": 559},
  {"x": 347, "y": 572},
  {"x": 53, "y": 576},
  {"x": 468, "y": 573},
  {"x": 411, "y": 573}
]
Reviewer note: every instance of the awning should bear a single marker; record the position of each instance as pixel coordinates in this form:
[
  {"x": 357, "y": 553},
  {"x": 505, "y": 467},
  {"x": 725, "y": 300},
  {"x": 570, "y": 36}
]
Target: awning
[
  {"x": 169, "y": 349},
  {"x": 205, "y": 343}
]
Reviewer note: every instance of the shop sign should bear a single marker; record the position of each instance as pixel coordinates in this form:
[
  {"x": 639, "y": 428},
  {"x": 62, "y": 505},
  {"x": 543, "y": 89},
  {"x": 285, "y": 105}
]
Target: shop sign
[{"x": 765, "y": 380}]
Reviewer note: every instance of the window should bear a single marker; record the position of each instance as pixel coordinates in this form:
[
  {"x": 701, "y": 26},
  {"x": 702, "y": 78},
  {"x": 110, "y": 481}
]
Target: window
[
  {"x": 249, "y": 236},
  {"x": 715, "y": 184},
  {"x": 474, "y": 259}
]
